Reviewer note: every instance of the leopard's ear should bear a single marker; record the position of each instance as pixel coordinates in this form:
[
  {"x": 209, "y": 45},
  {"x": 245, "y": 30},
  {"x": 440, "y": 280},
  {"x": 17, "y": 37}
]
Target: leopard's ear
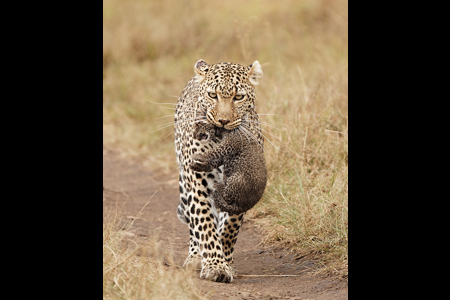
[
  {"x": 200, "y": 68},
  {"x": 255, "y": 73}
]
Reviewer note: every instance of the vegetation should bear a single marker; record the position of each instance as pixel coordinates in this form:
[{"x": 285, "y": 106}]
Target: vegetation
[
  {"x": 132, "y": 271},
  {"x": 149, "y": 50}
]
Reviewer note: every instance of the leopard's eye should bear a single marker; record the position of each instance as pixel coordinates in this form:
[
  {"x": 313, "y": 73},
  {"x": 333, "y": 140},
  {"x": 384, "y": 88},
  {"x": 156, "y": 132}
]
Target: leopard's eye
[
  {"x": 238, "y": 97},
  {"x": 212, "y": 95}
]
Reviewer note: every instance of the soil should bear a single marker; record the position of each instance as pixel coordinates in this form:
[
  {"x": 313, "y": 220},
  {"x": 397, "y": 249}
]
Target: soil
[{"x": 132, "y": 186}]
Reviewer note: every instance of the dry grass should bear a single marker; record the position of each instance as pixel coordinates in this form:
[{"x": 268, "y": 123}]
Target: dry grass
[
  {"x": 149, "y": 51},
  {"x": 134, "y": 269}
]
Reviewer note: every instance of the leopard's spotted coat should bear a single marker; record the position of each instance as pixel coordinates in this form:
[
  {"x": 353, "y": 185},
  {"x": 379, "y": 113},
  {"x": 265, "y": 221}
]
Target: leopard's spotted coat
[{"x": 223, "y": 95}]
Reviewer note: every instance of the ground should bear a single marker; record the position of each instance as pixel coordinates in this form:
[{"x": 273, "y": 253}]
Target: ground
[{"x": 131, "y": 184}]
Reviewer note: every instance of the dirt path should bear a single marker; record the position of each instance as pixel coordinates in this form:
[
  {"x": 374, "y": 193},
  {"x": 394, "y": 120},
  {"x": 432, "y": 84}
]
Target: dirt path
[{"x": 133, "y": 185}]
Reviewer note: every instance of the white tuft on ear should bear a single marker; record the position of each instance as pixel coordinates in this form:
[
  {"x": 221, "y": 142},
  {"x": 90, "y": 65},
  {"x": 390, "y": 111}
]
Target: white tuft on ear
[
  {"x": 255, "y": 73},
  {"x": 200, "y": 68}
]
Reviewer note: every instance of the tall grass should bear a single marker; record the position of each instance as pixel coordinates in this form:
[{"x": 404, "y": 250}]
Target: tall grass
[{"x": 149, "y": 49}]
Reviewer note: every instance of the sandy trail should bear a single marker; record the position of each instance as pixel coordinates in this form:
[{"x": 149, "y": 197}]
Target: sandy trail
[{"x": 132, "y": 186}]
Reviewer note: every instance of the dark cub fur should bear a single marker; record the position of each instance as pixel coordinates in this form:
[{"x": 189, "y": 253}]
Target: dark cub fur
[{"x": 245, "y": 173}]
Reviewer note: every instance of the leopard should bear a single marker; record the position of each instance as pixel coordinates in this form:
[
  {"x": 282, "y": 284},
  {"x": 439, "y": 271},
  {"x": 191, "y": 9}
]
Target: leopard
[
  {"x": 245, "y": 173},
  {"x": 221, "y": 94}
]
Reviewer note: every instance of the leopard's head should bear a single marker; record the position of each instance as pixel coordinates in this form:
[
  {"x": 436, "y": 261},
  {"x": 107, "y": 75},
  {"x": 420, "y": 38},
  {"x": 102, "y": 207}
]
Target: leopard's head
[{"x": 227, "y": 91}]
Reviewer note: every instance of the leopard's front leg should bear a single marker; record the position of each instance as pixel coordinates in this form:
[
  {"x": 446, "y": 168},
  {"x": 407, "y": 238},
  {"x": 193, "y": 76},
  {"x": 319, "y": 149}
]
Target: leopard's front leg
[
  {"x": 229, "y": 227},
  {"x": 203, "y": 223}
]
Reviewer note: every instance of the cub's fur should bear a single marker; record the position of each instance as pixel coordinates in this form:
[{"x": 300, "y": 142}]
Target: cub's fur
[{"x": 245, "y": 174}]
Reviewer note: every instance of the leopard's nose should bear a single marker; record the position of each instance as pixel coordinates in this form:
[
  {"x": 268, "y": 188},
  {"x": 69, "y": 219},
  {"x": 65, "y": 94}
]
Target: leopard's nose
[{"x": 224, "y": 121}]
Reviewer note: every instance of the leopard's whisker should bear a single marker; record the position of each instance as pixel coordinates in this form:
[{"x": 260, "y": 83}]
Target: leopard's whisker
[
  {"x": 269, "y": 134},
  {"x": 265, "y": 124},
  {"x": 269, "y": 115},
  {"x": 169, "y": 134},
  {"x": 262, "y": 123},
  {"x": 161, "y": 128},
  {"x": 204, "y": 125},
  {"x": 171, "y": 108},
  {"x": 164, "y": 117},
  {"x": 239, "y": 128},
  {"x": 181, "y": 122},
  {"x": 250, "y": 128},
  {"x": 259, "y": 129},
  {"x": 267, "y": 139},
  {"x": 253, "y": 137},
  {"x": 239, "y": 133},
  {"x": 174, "y": 130},
  {"x": 169, "y": 125}
]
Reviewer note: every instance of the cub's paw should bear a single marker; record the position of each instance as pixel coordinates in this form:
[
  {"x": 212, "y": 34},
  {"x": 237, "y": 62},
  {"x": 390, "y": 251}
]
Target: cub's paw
[
  {"x": 199, "y": 164},
  {"x": 220, "y": 187},
  {"x": 219, "y": 194}
]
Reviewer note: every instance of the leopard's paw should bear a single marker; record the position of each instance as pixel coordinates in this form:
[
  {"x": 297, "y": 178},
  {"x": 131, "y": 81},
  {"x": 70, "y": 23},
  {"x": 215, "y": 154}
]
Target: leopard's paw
[{"x": 219, "y": 273}]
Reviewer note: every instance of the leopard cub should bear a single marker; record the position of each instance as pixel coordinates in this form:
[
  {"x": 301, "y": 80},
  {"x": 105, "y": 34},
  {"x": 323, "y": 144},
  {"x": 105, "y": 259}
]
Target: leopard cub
[{"x": 245, "y": 174}]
